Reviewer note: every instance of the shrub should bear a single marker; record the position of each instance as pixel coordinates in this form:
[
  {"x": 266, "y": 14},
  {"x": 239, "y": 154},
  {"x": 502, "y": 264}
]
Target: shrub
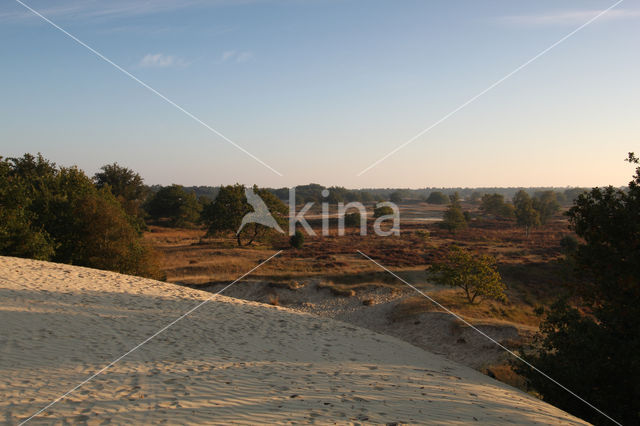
[
  {"x": 423, "y": 234},
  {"x": 569, "y": 244},
  {"x": 382, "y": 211},
  {"x": 437, "y": 197},
  {"x": 352, "y": 219},
  {"x": 454, "y": 218},
  {"x": 297, "y": 240}
]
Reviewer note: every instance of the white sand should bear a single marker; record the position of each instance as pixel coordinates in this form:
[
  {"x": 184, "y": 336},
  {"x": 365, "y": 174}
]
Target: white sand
[{"x": 231, "y": 361}]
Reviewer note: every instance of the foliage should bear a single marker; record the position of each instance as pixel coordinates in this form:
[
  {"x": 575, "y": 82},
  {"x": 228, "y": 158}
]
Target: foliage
[
  {"x": 297, "y": 240},
  {"x": 475, "y": 197},
  {"x": 57, "y": 214},
  {"x": 127, "y": 186},
  {"x": 526, "y": 215},
  {"x": 395, "y": 197},
  {"x": 593, "y": 349},
  {"x": 477, "y": 275},
  {"x": 494, "y": 204},
  {"x": 454, "y": 219},
  {"x": 174, "y": 204},
  {"x": 569, "y": 245},
  {"x": 225, "y": 214},
  {"x": 437, "y": 197},
  {"x": 382, "y": 211},
  {"x": 352, "y": 219},
  {"x": 546, "y": 204}
]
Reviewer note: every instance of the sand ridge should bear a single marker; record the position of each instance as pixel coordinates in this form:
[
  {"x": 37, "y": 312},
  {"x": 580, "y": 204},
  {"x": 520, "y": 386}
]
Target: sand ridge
[{"x": 230, "y": 361}]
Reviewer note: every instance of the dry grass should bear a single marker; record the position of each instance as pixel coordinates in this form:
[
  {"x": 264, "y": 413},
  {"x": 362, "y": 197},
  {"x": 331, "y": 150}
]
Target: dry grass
[{"x": 528, "y": 264}]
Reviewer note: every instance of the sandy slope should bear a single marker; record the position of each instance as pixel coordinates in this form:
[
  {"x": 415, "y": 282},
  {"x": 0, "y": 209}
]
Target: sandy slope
[{"x": 230, "y": 361}]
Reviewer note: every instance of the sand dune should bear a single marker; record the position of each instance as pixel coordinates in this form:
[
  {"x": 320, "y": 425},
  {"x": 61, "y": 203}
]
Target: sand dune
[{"x": 231, "y": 361}]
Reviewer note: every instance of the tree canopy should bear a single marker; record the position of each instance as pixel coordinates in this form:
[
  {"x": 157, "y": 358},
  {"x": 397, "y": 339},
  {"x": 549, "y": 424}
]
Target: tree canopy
[
  {"x": 56, "y": 213},
  {"x": 225, "y": 214},
  {"x": 526, "y": 215},
  {"x": 591, "y": 345},
  {"x": 175, "y": 205},
  {"x": 476, "y": 275}
]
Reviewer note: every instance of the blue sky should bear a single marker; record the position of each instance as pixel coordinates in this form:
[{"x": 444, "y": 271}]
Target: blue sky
[{"x": 319, "y": 90}]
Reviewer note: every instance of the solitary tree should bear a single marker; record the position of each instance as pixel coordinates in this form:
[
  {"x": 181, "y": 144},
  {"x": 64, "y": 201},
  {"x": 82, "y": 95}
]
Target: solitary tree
[
  {"x": 454, "y": 219},
  {"x": 225, "y": 214},
  {"x": 526, "y": 215},
  {"x": 476, "y": 275},
  {"x": 546, "y": 204}
]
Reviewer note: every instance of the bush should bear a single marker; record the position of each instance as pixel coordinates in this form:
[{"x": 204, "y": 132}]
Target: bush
[
  {"x": 569, "y": 244},
  {"x": 352, "y": 219},
  {"x": 297, "y": 240},
  {"x": 454, "y": 218},
  {"x": 437, "y": 197},
  {"x": 423, "y": 234},
  {"x": 382, "y": 211}
]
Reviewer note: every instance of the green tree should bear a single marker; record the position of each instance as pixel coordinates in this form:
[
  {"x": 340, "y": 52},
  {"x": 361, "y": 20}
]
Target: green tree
[
  {"x": 526, "y": 215},
  {"x": 494, "y": 204},
  {"x": 591, "y": 346},
  {"x": 352, "y": 219},
  {"x": 454, "y": 219},
  {"x": 58, "y": 214},
  {"x": 382, "y": 211},
  {"x": 546, "y": 204},
  {"x": 476, "y": 275},
  {"x": 297, "y": 240},
  {"x": 127, "y": 186},
  {"x": 172, "y": 203},
  {"x": 225, "y": 214},
  {"x": 437, "y": 197},
  {"x": 475, "y": 197},
  {"x": 395, "y": 197}
]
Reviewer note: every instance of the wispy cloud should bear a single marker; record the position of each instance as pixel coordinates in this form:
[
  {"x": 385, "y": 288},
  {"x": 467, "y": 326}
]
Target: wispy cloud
[
  {"x": 236, "y": 56},
  {"x": 159, "y": 60},
  {"x": 568, "y": 17},
  {"x": 88, "y": 9}
]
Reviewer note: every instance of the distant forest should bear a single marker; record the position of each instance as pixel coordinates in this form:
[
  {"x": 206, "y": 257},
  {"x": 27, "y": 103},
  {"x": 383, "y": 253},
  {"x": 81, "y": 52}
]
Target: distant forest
[{"x": 312, "y": 192}]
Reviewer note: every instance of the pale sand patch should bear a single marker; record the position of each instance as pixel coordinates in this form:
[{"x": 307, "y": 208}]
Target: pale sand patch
[{"x": 231, "y": 361}]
